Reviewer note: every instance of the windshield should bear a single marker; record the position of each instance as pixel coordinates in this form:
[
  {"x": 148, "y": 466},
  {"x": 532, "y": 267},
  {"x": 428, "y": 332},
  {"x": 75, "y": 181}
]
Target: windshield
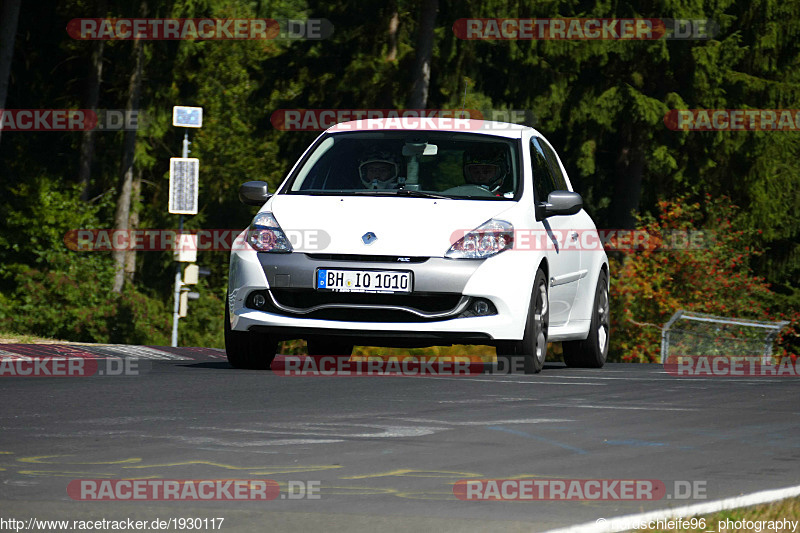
[{"x": 437, "y": 164}]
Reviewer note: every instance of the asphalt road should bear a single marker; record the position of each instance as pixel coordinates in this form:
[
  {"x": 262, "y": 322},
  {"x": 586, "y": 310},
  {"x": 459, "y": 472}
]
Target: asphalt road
[{"x": 384, "y": 453}]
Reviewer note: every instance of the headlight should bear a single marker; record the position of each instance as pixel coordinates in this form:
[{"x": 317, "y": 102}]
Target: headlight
[
  {"x": 488, "y": 239},
  {"x": 266, "y": 235}
]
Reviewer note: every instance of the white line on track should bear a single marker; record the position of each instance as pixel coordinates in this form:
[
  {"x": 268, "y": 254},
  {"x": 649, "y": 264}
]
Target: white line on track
[
  {"x": 515, "y": 381},
  {"x": 541, "y": 380},
  {"x": 618, "y": 407},
  {"x": 624, "y": 523},
  {"x": 488, "y": 422},
  {"x": 674, "y": 379}
]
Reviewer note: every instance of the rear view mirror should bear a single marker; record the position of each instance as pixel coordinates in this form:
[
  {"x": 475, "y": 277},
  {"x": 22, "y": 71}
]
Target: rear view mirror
[
  {"x": 421, "y": 148},
  {"x": 254, "y": 193}
]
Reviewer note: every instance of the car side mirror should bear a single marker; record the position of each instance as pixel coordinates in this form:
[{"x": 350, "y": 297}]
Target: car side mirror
[
  {"x": 559, "y": 203},
  {"x": 254, "y": 193}
]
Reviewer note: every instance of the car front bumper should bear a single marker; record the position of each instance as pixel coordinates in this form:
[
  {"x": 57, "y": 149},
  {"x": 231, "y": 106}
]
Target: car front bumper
[{"x": 499, "y": 280}]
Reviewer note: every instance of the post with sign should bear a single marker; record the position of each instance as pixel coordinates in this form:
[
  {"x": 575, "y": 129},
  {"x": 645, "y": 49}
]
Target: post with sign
[
  {"x": 191, "y": 275},
  {"x": 184, "y": 180}
]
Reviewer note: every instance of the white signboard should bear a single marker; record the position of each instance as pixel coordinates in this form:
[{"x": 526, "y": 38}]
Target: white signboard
[
  {"x": 184, "y": 178},
  {"x": 187, "y": 117}
]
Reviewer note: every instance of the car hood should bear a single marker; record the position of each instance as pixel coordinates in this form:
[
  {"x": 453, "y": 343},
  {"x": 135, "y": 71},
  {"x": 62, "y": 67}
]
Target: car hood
[{"x": 402, "y": 226}]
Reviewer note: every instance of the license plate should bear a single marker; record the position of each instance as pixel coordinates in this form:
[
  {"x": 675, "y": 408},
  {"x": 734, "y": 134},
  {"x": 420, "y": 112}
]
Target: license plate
[{"x": 363, "y": 280}]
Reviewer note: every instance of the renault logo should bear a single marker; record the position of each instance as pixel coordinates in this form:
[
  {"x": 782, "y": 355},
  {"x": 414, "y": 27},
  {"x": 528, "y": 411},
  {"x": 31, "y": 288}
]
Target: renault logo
[{"x": 369, "y": 237}]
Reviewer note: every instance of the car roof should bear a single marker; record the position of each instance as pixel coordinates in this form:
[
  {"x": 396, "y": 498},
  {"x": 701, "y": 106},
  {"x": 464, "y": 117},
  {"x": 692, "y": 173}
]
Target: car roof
[{"x": 485, "y": 127}]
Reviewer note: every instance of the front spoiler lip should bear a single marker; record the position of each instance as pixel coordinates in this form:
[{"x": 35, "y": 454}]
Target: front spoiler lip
[{"x": 378, "y": 337}]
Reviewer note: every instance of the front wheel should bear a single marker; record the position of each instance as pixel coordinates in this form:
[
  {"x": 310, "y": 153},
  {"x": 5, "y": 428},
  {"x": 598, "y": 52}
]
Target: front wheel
[
  {"x": 592, "y": 352},
  {"x": 533, "y": 346},
  {"x": 247, "y": 349}
]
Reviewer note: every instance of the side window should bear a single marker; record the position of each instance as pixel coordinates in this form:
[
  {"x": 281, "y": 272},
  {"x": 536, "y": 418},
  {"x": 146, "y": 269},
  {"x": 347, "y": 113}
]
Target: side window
[
  {"x": 555, "y": 168},
  {"x": 543, "y": 180}
]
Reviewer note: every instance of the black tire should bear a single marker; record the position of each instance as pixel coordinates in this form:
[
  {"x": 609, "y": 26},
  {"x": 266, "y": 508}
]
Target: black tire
[
  {"x": 592, "y": 352},
  {"x": 247, "y": 349},
  {"x": 325, "y": 346},
  {"x": 533, "y": 346}
]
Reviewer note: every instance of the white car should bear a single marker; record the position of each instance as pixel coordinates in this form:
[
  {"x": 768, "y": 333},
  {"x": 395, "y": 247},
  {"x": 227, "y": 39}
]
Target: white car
[{"x": 460, "y": 232}]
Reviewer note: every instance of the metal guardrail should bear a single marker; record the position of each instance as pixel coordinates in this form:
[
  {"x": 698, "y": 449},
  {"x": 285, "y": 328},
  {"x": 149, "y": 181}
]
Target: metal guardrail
[{"x": 759, "y": 343}]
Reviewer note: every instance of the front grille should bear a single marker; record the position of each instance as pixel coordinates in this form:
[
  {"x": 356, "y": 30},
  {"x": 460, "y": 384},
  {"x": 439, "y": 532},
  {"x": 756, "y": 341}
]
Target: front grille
[
  {"x": 368, "y": 315},
  {"x": 304, "y": 299},
  {"x": 434, "y": 302},
  {"x": 367, "y": 258}
]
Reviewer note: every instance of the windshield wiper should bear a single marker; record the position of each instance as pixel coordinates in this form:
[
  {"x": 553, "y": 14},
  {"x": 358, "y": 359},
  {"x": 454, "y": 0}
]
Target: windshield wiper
[
  {"x": 377, "y": 192},
  {"x": 419, "y": 194},
  {"x": 373, "y": 192}
]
